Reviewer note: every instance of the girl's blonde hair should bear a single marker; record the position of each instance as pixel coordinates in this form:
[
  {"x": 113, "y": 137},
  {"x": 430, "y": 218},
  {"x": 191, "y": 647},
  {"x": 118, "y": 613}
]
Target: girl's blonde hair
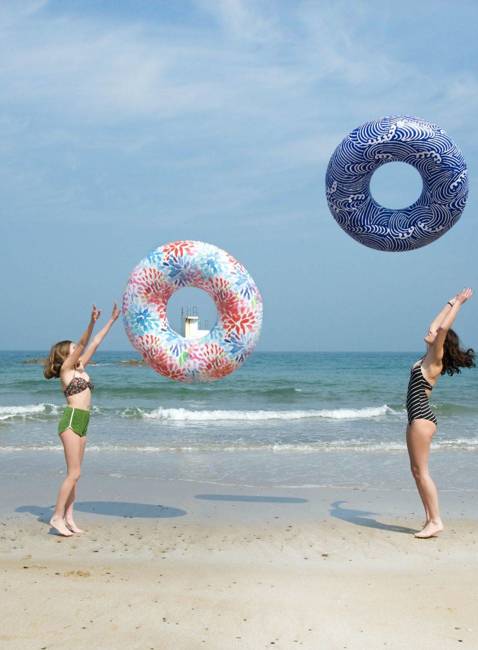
[{"x": 58, "y": 353}]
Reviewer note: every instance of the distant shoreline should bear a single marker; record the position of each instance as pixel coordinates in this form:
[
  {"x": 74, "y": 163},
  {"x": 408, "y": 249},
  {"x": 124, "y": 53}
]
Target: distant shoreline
[{"x": 130, "y": 351}]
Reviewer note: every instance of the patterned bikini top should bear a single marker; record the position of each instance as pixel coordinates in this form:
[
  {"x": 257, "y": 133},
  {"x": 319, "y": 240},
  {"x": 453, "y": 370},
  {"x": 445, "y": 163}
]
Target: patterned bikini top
[{"x": 77, "y": 385}]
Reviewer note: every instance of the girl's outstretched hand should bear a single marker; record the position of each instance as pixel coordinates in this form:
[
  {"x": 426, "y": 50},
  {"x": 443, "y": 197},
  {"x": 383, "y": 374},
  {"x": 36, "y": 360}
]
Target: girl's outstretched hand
[
  {"x": 464, "y": 295},
  {"x": 115, "y": 313},
  {"x": 95, "y": 314}
]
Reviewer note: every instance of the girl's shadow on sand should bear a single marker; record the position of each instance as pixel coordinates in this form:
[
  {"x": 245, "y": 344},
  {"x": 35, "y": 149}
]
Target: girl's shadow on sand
[
  {"x": 361, "y": 518},
  {"x": 249, "y": 498},
  {"x": 111, "y": 509}
]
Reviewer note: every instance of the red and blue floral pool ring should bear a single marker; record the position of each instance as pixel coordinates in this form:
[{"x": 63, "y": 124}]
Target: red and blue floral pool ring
[{"x": 204, "y": 266}]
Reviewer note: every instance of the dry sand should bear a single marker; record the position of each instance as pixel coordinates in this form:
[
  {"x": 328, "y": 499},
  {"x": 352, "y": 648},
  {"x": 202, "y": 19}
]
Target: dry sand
[{"x": 278, "y": 581}]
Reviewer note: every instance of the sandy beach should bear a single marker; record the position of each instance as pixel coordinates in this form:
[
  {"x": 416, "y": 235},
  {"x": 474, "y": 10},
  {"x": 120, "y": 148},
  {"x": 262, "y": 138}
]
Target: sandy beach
[
  {"x": 239, "y": 315},
  {"x": 212, "y": 567},
  {"x": 262, "y": 512}
]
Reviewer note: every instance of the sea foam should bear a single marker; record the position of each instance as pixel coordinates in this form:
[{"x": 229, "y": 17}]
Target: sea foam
[
  {"x": 9, "y": 412},
  {"x": 211, "y": 415}
]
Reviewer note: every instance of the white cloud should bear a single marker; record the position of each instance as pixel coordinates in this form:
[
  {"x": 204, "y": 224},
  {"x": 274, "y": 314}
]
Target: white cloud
[
  {"x": 247, "y": 21},
  {"x": 266, "y": 89},
  {"x": 94, "y": 69},
  {"x": 12, "y": 11}
]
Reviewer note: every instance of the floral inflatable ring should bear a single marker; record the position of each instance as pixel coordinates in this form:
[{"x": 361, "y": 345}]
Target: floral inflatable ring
[{"x": 204, "y": 266}]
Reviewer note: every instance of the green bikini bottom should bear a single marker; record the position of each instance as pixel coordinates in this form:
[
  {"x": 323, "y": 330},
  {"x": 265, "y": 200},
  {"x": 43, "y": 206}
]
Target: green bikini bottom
[{"x": 74, "y": 419}]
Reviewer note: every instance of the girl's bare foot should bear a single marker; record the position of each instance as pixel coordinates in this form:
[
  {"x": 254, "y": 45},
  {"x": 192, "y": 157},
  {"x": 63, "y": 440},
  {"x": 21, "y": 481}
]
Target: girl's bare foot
[
  {"x": 431, "y": 529},
  {"x": 72, "y": 526},
  {"x": 59, "y": 525}
]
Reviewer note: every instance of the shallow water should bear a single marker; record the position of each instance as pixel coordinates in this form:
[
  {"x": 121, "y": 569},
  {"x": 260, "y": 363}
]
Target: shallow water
[{"x": 283, "y": 418}]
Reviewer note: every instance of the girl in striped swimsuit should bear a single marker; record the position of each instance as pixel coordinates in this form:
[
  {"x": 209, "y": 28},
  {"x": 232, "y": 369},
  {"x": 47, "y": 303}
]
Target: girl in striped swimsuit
[
  {"x": 67, "y": 361},
  {"x": 443, "y": 355}
]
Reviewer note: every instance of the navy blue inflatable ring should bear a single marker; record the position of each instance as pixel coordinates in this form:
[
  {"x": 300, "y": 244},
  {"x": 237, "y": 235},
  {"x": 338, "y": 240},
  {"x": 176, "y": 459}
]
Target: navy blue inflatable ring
[{"x": 404, "y": 139}]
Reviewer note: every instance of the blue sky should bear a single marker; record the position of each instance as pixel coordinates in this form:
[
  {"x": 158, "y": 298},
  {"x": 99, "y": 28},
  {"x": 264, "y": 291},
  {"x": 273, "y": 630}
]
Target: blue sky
[{"x": 125, "y": 125}]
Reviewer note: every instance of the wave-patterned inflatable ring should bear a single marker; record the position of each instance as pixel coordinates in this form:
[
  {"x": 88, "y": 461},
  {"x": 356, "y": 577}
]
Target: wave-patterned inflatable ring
[
  {"x": 204, "y": 266},
  {"x": 404, "y": 139}
]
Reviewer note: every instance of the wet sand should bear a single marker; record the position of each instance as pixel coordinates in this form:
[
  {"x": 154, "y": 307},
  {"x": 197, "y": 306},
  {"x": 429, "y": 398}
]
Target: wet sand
[{"x": 207, "y": 566}]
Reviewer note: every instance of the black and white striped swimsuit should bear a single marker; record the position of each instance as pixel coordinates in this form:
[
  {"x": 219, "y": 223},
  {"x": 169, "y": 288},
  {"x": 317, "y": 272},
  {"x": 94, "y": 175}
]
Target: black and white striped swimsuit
[{"x": 418, "y": 406}]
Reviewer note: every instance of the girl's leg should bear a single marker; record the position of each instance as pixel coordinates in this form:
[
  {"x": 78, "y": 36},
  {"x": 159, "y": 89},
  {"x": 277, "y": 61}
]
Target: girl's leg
[
  {"x": 72, "y": 496},
  {"x": 419, "y": 436},
  {"x": 69, "y": 501},
  {"x": 72, "y": 447},
  {"x": 419, "y": 487}
]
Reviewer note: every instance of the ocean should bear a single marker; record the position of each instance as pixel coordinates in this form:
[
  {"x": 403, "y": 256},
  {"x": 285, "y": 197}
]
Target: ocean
[{"x": 284, "y": 419}]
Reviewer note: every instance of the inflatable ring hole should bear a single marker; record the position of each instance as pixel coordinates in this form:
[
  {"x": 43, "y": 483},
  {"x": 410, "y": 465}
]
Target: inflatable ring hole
[
  {"x": 396, "y": 185},
  {"x": 197, "y": 305}
]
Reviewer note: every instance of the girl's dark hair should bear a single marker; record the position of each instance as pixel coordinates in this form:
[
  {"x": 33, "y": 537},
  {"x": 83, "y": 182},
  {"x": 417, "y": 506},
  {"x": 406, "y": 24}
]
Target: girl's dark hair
[
  {"x": 455, "y": 357},
  {"x": 58, "y": 353}
]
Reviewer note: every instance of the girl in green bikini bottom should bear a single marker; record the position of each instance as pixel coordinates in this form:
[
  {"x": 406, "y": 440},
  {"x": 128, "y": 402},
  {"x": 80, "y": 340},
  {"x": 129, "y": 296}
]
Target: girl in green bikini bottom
[{"x": 68, "y": 360}]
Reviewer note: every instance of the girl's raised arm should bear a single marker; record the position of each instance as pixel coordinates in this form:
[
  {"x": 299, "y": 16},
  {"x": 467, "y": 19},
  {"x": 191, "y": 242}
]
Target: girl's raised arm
[
  {"x": 86, "y": 358},
  {"x": 71, "y": 360},
  {"x": 439, "y": 318},
  {"x": 435, "y": 352}
]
